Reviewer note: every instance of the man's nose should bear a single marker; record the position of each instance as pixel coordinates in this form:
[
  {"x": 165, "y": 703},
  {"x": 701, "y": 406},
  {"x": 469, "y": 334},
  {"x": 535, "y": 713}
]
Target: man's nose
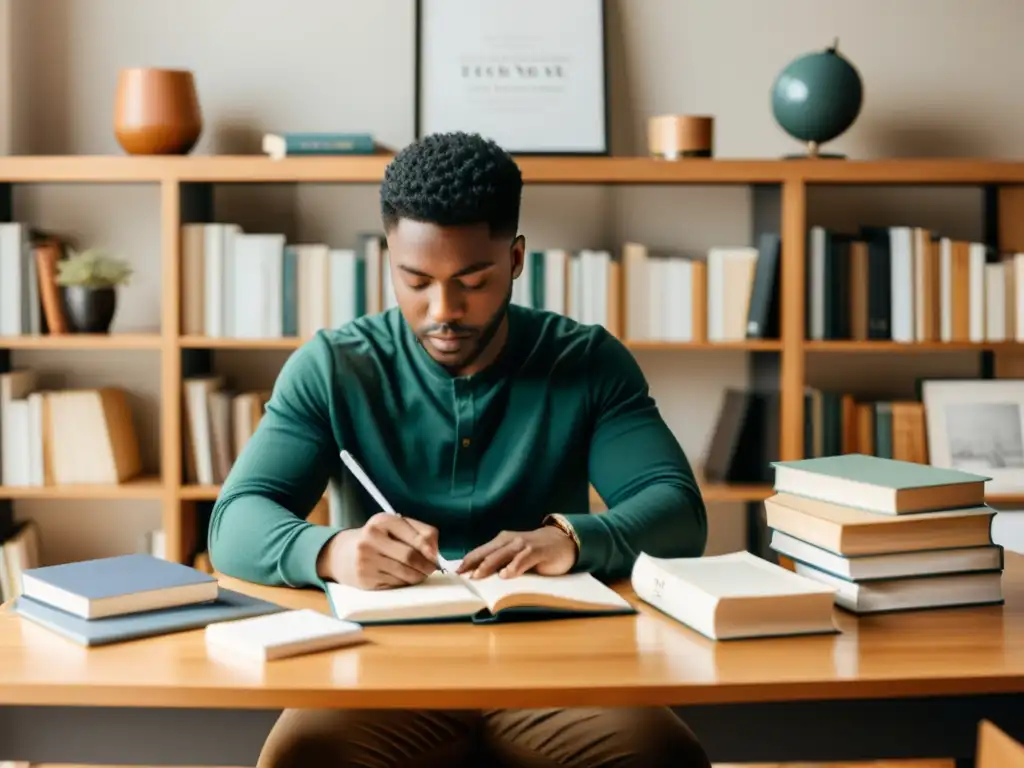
[{"x": 446, "y": 305}]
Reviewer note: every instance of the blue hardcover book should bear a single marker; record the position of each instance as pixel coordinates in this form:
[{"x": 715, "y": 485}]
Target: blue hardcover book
[
  {"x": 227, "y": 606},
  {"x": 114, "y": 586}
]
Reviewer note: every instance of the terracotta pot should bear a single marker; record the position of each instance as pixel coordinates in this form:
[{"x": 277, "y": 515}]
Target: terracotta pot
[{"x": 156, "y": 111}]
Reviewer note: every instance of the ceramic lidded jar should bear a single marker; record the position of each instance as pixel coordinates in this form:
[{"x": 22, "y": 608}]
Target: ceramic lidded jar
[{"x": 156, "y": 111}]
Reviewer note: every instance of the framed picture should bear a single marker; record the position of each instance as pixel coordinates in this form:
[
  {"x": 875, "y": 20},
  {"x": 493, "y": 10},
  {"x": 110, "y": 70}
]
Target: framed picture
[
  {"x": 530, "y": 74},
  {"x": 977, "y": 425}
]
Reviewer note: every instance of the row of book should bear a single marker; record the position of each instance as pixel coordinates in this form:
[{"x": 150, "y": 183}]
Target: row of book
[
  {"x": 911, "y": 284},
  {"x": 257, "y": 285},
  {"x": 58, "y": 436},
  {"x": 218, "y": 422},
  {"x": 887, "y": 535},
  {"x": 746, "y": 437}
]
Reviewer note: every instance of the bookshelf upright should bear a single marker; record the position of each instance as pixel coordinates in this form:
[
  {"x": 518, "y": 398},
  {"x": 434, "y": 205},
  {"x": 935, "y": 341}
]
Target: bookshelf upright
[{"x": 780, "y": 189}]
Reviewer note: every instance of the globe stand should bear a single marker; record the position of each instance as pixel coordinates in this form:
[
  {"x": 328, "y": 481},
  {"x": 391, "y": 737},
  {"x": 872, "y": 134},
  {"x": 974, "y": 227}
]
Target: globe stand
[{"x": 814, "y": 154}]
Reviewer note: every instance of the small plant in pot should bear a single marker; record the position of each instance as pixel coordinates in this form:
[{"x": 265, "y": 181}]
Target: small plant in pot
[{"x": 89, "y": 282}]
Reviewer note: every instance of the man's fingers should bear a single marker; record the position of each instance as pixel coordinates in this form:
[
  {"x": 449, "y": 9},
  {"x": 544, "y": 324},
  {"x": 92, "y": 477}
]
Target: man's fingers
[
  {"x": 521, "y": 563},
  {"x": 473, "y": 559},
  {"x": 417, "y": 535},
  {"x": 498, "y": 558},
  {"x": 398, "y": 574},
  {"x": 397, "y": 551}
]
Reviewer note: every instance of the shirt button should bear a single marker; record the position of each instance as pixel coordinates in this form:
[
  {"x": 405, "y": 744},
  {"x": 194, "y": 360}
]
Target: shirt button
[{"x": 465, "y": 442}]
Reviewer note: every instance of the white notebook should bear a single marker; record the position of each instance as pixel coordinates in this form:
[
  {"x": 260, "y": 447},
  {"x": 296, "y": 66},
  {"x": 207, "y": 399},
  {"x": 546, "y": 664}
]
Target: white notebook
[
  {"x": 282, "y": 634},
  {"x": 450, "y": 597}
]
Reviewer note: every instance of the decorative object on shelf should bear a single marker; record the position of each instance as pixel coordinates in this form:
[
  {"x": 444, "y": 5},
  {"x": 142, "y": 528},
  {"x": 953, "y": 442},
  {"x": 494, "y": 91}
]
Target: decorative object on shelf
[
  {"x": 156, "y": 111},
  {"x": 89, "y": 281},
  {"x": 530, "y": 74},
  {"x": 671, "y": 137},
  {"x": 977, "y": 425},
  {"x": 817, "y": 97}
]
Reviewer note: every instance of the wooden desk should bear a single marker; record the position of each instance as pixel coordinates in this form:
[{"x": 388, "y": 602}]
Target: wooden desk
[{"x": 904, "y": 685}]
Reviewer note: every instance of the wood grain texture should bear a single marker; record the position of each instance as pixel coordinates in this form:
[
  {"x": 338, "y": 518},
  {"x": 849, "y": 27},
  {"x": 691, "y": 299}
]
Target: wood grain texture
[{"x": 645, "y": 659}]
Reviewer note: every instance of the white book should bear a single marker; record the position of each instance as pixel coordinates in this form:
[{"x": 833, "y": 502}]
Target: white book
[
  {"x": 11, "y": 279},
  {"x": 282, "y": 634},
  {"x": 995, "y": 302},
  {"x": 449, "y": 596},
  {"x": 736, "y": 595},
  {"x": 342, "y": 285},
  {"x": 555, "y": 267},
  {"x": 946, "y": 289},
  {"x": 901, "y": 246}
]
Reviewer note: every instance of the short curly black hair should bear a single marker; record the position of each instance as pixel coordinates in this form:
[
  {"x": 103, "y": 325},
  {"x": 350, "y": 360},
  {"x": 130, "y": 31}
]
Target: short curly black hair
[{"x": 452, "y": 179}]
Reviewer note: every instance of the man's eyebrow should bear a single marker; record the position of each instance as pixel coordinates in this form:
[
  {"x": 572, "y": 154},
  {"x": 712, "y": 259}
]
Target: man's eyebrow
[{"x": 475, "y": 267}]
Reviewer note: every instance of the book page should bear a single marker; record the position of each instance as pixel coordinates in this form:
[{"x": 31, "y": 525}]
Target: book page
[
  {"x": 575, "y": 590},
  {"x": 441, "y": 595}
]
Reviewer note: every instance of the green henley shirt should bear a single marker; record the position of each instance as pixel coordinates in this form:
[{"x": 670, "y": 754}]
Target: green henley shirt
[{"x": 565, "y": 405}]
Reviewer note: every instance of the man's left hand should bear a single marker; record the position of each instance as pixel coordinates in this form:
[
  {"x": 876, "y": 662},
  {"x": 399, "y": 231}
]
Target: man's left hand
[{"x": 547, "y": 551}]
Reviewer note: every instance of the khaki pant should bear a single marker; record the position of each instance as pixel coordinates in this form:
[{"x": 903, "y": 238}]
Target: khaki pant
[{"x": 531, "y": 738}]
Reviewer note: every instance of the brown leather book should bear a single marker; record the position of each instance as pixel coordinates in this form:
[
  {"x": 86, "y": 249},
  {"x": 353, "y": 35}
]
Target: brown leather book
[{"x": 47, "y": 254}]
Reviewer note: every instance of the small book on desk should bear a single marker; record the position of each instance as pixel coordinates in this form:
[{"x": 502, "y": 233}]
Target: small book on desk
[
  {"x": 229, "y": 605},
  {"x": 450, "y": 597},
  {"x": 735, "y": 595},
  {"x": 117, "y": 586}
]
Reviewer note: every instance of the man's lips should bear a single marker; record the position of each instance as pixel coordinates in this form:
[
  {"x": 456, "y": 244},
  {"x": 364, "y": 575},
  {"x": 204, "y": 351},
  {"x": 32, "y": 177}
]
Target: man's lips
[{"x": 447, "y": 343}]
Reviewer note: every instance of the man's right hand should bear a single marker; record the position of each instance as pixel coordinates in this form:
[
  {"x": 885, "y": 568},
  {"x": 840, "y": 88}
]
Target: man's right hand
[{"x": 388, "y": 551}]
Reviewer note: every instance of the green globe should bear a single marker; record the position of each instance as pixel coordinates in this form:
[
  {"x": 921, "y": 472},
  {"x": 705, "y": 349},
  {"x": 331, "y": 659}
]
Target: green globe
[{"x": 817, "y": 97}]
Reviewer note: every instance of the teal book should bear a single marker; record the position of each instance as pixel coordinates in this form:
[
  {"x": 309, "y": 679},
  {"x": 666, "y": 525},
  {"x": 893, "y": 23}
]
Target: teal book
[
  {"x": 877, "y": 484},
  {"x": 448, "y": 597},
  {"x": 228, "y": 605},
  {"x": 290, "y": 292},
  {"x": 278, "y": 145}
]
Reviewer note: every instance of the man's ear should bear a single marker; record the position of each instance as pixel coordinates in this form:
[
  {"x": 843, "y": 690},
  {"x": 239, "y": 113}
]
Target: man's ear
[{"x": 518, "y": 253}]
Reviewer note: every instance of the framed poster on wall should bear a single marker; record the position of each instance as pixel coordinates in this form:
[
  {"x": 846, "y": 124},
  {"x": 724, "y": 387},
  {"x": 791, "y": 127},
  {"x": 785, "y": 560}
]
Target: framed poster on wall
[{"x": 529, "y": 74}]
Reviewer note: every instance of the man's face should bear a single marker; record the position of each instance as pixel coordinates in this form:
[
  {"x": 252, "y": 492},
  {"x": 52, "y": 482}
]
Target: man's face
[{"x": 453, "y": 286}]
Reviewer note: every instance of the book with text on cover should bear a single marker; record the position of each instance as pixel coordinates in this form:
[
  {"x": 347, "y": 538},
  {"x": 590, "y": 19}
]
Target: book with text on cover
[{"x": 450, "y": 597}]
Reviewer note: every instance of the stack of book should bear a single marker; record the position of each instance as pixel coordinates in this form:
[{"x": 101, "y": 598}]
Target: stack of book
[
  {"x": 112, "y": 599},
  {"x": 889, "y": 535}
]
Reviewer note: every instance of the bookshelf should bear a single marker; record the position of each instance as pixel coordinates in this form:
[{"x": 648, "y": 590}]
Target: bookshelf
[{"x": 186, "y": 195}]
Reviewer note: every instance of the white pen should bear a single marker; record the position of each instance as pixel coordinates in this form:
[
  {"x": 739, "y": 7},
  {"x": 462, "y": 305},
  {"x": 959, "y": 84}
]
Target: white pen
[{"x": 443, "y": 565}]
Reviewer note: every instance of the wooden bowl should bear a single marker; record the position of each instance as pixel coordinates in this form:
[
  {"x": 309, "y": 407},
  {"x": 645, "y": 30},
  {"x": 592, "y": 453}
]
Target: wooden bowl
[{"x": 156, "y": 111}]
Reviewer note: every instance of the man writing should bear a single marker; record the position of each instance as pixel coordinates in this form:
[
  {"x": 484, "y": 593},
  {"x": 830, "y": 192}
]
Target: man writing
[{"x": 483, "y": 423}]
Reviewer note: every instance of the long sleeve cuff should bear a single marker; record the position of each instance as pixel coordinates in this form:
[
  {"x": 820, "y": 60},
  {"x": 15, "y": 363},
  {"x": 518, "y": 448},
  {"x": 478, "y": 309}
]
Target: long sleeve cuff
[{"x": 299, "y": 562}]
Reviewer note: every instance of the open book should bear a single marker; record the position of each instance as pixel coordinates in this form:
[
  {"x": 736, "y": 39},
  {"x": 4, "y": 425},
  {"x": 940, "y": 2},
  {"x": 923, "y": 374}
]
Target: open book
[{"x": 450, "y": 597}]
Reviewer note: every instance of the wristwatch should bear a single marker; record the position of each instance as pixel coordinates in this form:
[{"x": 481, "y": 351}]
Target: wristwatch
[{"x": 559, "y": 522}]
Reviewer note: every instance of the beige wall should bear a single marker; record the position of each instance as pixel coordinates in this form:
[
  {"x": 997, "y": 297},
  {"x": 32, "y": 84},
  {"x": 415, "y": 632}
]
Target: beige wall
[{"x": 941, "y": 78}]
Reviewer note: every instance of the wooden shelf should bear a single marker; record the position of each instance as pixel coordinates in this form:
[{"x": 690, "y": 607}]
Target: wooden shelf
[
  {"x": 217, "y": 342},
  {"x": 748, "y": 345},
  {"x": 198, "y": 492},
  {"x": 536, "y": 170},
  {"x": 138, "y": 489},
  {"x": 211, "y": 342},
  {"x": 712, "y": 492},
  {"x": 915, "y": 347},
  {"x": 180, "y": 200},
  {"x": 73, "y": 341}
]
